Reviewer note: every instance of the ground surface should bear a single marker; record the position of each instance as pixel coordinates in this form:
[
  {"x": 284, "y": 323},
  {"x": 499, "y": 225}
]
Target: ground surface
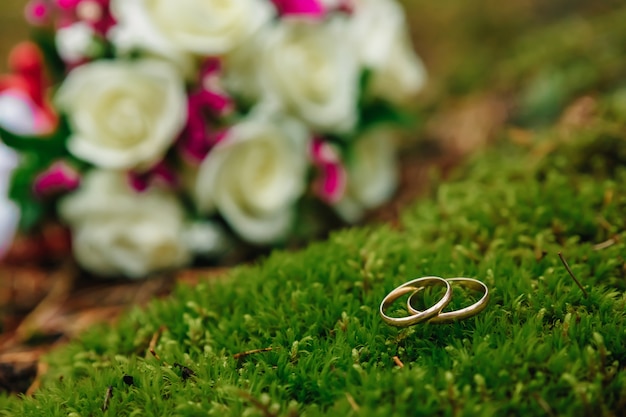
[{"x": 515, "y": 70}]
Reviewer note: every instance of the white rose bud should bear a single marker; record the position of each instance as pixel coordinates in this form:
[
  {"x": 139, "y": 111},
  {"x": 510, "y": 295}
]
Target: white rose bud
[
  {"x": 9, "y": 213},
  {"x": 254, "y": 176},
  {"x": 123, "y": 114},
  {"x": 372, "y": 174},
  {"x": 75, "y": 42},
  {"x": 117, "y": 231},
  {"x": 311, "y": 71},
  {"x": 171, "y": 28},
  {"x": 382, "y": 40}
]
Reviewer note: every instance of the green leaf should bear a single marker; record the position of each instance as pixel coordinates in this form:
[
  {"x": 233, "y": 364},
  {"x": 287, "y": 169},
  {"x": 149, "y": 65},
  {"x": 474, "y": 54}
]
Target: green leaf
[
  {"x": 31, "y": 213},
  {"x": 52, "y": 145},
  {"x": 44, "y": 38},
  {"x": 381, "y": 112},
  {"x": 21, "y": 190}
]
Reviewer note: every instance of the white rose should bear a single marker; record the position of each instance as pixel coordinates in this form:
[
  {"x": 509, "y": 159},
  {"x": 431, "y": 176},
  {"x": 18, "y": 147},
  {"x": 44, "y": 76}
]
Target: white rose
[
  {"x": 254, "y": 176},
  {"x": 9, "y": 213},
  {"x": 312, "y": 72},
  {"x": 372, "y": 174},
  {"x": 75, "y": 42},
  {"x": 169, "y": 28},
  {"x": 240, "y": 73},
  {"x": 118, "y": 231},
  {"x": 123, "y": 114},
  {"x": 382, "y": 40}
]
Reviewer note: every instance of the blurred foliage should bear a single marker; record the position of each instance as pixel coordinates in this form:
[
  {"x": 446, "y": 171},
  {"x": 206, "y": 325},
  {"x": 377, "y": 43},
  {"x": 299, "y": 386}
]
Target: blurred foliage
[{"x": 539, "y": 54}]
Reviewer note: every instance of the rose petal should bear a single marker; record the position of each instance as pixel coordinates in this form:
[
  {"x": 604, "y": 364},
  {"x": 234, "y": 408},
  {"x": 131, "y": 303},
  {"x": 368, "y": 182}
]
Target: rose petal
[
  {"x": 67, "y": 4},
  {"x": 331, "y": 184},
  {"x": 161, "y": 174},
  {"x": 59, "y": 177},
  {"x": 216, "y": 102},
  {"x": 308, "y": 8}
]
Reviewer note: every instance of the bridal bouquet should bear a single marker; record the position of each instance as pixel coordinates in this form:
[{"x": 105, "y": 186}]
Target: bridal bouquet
[{"x": 159, "y": 131}]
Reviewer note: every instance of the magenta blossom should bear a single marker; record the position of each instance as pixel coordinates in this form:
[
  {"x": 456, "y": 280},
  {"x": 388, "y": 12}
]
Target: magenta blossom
[
  {"x": 60, "y": 177},
  {"x": 300, "y": 8},
  {"x": 331, "y": 183},
  {"x": 161, "y": 174},
  {"x": 37, "y": 12},
  {"x": 210, "y": 101},
  {"x": 96, "y": 13}
]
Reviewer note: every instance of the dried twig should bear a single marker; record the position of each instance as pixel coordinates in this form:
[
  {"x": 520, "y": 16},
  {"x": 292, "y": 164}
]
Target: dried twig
[
  {"x": 107, "y": 398},
  {"x": 242, "y": 355},
  {"x": 153, "y": 342},
  {"x": 543, "y": 404},
  {"x": 569, "y": 271},
  {"x": 605, "y": 244},
  {"x": 263, "y": 408},
  {"x": 25, "y": 356},
  {"x": 352, "y": 403},
  {"x": 398, "y": 362},
  {"x": 60, "y": 291}
]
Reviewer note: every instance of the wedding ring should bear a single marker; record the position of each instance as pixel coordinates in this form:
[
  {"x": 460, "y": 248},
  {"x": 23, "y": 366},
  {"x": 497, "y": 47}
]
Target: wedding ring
[
  {"x": 463, "y": 313},
  {"x": 412, "y": 287}
]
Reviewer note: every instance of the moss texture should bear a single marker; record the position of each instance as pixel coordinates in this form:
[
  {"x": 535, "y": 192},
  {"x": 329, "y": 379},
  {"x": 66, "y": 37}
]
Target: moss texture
[
  {"x": 540, "y": 347},
  {"x": 299, "y": 333}
]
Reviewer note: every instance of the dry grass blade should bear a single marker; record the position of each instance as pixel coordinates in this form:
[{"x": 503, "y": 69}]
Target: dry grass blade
[{"x": 571, "y": 274}]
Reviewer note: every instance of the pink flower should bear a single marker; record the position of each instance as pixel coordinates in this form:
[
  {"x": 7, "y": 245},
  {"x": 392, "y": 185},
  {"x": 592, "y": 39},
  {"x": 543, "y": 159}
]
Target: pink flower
[
  {"x": 96, "y": 13},
  {"x": 37, "y": 12},
  {"x": 301, "y": 8},
  {"x": 58, "y": 178},
  {"x": 208, "y": 102},
  {"x": 212, "y": 96},
  {"x": 161, "y": 174},
  {"x": 331, "y": 183},
  {"x": 67, "y": 4}
]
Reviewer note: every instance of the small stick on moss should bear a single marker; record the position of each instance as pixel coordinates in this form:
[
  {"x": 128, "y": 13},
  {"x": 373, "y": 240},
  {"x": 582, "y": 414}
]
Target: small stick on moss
[
  {"x": 153, "y": 342},
  {"x": 571, "y": 274},
  {"x": 242, "y": 355},
  {"x": 543, "y": 404},
  {"x": 352, "y": 403},
  {"x": 398, "y": 362},
  {"x": 263, "y": 408},
  {"x": 107, "y": 398},
  {"x": 605, "y": 244}
]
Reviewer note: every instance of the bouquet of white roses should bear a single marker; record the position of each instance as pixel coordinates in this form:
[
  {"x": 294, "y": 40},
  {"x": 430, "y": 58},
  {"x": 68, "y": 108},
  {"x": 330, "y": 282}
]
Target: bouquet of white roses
[{"x": 164, "y": 130}]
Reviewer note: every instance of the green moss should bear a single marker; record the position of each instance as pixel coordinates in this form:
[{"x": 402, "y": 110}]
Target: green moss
[{"x": 539, "y": 348}]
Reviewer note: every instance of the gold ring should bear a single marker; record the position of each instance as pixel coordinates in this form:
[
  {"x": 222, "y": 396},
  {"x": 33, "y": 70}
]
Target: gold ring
[
  {"x": 414, "y": 286},
  {"x": 462, "y": 313}
]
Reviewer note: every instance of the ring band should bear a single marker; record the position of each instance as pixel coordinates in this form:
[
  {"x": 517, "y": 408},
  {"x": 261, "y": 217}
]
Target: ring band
[
  {"x": 417, "y": 316},
  {"x": 462, "y": 313}
]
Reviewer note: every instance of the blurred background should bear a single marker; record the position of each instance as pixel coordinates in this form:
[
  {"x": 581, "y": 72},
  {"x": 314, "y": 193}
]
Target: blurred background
[
  {"x": 517, "y": 70},
  {"x": 13, "y": 28}
]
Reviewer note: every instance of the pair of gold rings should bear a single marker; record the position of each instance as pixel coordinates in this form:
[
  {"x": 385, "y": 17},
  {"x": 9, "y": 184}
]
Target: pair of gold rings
[{"x": 433, "y": 314}]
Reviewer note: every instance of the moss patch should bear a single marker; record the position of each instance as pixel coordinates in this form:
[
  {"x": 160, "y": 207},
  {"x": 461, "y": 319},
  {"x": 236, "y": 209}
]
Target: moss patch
[
  {"x": 299, "y": 333},
  {"x": 539, "y": 348}
]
